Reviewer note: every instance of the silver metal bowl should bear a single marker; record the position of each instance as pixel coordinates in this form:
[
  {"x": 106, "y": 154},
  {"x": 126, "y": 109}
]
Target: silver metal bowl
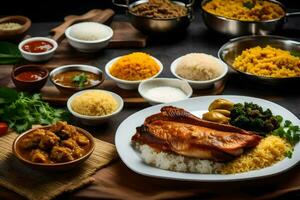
[
  {"x": 234, "y": 27},
  {"x": 229, "y": 51},
  {"x": 158, "y": 26},
  {"x": 76, "y": 67}
]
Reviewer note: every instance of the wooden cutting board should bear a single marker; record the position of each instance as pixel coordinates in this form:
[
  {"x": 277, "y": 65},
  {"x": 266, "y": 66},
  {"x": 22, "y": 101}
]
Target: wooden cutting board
[{"x": 125, "y": 35}]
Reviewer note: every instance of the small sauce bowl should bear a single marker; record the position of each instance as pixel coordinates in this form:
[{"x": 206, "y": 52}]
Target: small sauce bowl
[
  {"x": 30, "y": 78},
  {"x": 40, "y": 56}
]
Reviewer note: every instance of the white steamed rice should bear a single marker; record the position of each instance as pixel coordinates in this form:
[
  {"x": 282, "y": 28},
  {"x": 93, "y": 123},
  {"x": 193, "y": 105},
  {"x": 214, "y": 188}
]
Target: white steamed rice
[
  {"x": 199, "y": 67},
  {"x": 175, "y": 162},
  {"x": 89, "y": 31}
]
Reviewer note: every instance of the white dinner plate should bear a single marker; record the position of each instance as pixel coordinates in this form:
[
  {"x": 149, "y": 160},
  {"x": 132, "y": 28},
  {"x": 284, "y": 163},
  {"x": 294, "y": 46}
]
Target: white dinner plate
[{"x": 197, "y": 106}]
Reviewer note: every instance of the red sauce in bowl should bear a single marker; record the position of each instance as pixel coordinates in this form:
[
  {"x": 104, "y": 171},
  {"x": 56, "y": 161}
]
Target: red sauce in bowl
[
  {"x": 38, "y": 46},
  {"x": 30, "y": 76}
]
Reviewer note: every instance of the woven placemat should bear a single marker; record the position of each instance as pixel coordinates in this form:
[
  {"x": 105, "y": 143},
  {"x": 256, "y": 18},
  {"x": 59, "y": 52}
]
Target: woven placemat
[{"x": 41, "y": 185}]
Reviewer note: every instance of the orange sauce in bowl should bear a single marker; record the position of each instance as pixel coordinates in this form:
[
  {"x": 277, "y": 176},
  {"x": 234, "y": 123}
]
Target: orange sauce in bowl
[{"x": 38, "y": 46}]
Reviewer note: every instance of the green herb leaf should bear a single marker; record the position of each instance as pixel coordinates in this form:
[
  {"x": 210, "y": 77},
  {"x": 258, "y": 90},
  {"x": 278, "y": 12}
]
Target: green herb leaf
[
  {"x": 9, "y": 53},
  {"x": 7, "y": 95},
  {"x": 289, "y": 154},
  {"x": 21, "y": 111},
  {"x": 80, "y": 80},
  {"x": 288, "y": 131},
  {"x": 249, "y": 4},
  {"x": 295, "y": 53}
]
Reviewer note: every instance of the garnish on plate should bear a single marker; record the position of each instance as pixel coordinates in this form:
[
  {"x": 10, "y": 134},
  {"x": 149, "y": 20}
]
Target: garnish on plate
[{"x": 288, "y": 131}]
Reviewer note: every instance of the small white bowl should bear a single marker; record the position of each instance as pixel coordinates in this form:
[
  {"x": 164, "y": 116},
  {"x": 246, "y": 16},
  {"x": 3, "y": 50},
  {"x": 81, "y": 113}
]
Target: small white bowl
[
  {"x": 145, "y": 86},
  {"x": 200, "y": 84},
  {"x": 38, "y": 57},
  {"x": 95, "y": 120},
  {"x": 129, "y": 85},
  {"x": 87, "y": 46}
]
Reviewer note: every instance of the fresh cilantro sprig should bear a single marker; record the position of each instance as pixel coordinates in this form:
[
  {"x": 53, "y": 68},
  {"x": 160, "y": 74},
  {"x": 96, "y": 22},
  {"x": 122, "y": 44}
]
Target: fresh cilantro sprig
[
  {"x": 288, "y": 131},
  {"x": 80, "y": 80},
  {"x": 21, "y": 111}
]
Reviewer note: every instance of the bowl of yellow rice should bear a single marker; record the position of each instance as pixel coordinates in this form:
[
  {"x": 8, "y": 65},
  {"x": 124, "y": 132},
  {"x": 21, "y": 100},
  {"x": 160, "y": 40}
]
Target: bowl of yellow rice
[
  {"x": 130, "y": 70},
  {"x": 94, "y": 106},
  {"x": 271, "y": 60}
]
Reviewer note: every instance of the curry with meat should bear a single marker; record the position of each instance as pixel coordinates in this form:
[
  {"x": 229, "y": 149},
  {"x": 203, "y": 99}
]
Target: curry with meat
[{"x": 58, "y": 143}]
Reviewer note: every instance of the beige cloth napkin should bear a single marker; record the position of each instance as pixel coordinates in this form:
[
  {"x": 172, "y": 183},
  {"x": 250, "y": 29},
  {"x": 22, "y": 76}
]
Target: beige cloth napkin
[{"x": 40, "y": 185}]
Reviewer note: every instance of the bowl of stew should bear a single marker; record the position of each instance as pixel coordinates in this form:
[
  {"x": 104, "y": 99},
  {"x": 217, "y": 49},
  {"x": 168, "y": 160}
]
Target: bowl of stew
[
  {"x": 54, "y": 148},
  {"x": 38, "y": 49},
  {"x": 29, "y": 78},
  {"x": 73, "y": 78}
]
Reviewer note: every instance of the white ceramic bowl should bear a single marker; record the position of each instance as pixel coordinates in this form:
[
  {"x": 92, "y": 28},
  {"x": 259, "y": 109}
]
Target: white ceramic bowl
[
  {"x": 200, "y": 84},
  {"x": 145, "y": 86},
  {"x": 95, "y": 120},
  {"x": 38, "y": 57},
  {"x": 90, "y": 46},
  {"x": 129, "y": 85}
]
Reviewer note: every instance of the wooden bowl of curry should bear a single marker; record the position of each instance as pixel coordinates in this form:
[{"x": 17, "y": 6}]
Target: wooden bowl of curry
[{"x": 56, "y": 147}]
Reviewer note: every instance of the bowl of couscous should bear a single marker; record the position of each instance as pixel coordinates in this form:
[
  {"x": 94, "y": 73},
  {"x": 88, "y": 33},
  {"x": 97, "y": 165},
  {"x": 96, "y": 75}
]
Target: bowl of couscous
[
  {"x": 130, "y": 70},
  {"x": 94, "y": 106},
  {"x": 270, "y": 60}
]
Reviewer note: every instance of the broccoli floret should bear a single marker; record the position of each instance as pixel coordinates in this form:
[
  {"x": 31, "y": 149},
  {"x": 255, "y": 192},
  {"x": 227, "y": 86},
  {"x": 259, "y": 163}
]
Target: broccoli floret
[{"x": 253, "y": 117}]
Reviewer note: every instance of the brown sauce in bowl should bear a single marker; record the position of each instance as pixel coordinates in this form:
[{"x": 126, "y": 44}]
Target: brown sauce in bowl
[{"x": 76, "y": 79}]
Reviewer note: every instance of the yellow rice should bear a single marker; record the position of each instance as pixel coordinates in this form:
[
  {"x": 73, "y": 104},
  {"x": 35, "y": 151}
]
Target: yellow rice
[
  {"x": 268, "y": 152},
  {"x": 269, "y": 62},
  {"x": 237, "y": 9},
  {"x": 134, "y": 67},
  {"x": 94, "y": 103}
]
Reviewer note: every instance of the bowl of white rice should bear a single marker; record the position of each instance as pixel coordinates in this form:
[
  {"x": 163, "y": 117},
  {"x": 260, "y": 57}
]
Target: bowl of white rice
[
  {"x": 89, "y": 36},
  {"x": 200, "y": 70}
]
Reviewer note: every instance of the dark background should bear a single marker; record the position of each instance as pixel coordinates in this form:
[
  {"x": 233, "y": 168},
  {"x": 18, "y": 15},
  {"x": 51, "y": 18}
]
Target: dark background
[{"x": 55, "y": 10}]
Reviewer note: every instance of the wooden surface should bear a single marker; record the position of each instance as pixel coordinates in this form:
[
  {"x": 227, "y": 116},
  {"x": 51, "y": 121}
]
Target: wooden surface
[
  {"x": 125, "y": 35},
  {"x": 53, "y": 96},
  {"x": 131, "y": 97}
]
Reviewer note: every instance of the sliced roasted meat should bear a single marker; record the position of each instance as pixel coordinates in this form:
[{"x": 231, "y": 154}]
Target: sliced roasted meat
[{"x": 176, "y": 130}]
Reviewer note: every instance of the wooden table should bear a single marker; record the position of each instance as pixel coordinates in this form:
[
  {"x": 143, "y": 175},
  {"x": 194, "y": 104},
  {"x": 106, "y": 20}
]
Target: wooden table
[{"x": 197, "y": 39}]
